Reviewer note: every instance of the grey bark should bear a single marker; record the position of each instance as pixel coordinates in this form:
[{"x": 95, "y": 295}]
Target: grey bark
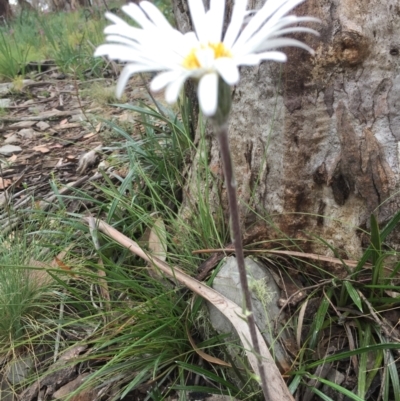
[{"x": 315, "y": 141}]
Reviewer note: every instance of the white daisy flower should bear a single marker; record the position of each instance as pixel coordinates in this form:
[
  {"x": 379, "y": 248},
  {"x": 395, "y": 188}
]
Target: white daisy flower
[{"x": 203, "y": 54}]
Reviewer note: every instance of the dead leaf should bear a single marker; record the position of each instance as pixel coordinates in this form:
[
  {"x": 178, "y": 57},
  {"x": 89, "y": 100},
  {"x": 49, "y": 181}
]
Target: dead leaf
[
  {"x": 205, "y": 356},
  {"x": 41, "y": 148},
  {"x": 158, "y": 248},
  {"x": 62, "y": 122},
  {"x": 4, "y": 183},
  {"x": 87, "y": 159},
  {"x": 66, "y": 126},
  {"x": 12, "y": 159},
  {"x": 62, "y": 265},
  {"x": 392, "y": 294},
  {"x": 158, "y": 240}
]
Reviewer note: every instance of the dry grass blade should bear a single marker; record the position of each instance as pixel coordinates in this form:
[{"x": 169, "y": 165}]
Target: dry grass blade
[
  {"x": 277, "y": 387},
  {"x": 206, "y": 357},
  {"x": 313, "y": 256}
]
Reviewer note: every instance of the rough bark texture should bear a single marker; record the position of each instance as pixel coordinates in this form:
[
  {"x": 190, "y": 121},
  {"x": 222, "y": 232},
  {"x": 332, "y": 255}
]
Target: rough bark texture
[
  {"x": 5, "y": 10},
  {"x": 316, "y": 141}
]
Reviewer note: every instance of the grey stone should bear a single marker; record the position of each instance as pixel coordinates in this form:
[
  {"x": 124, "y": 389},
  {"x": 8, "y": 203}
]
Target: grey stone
[
  {"x": 42, "y": 125},
  {"x": 27, "y": 133},
  {"x": 5, "y": 88},
  {"x": 8, "y": 150},
  {"x": 5, "y": 103},
  {"x": 77, "y": 118},
  {"x": 265, "y": 295},
  {"x": 6, "y": 391},
  {"x": 12, "y": 139},
  {"x": 18, "y": 369}
]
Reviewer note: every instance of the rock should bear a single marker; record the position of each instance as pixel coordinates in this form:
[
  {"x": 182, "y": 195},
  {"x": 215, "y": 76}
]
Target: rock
[
  {"x": 18, "y": 369},
  {"x": 5, "y": 103},
  {"x": 265, "y": 295},
  {"x": 12, "y": 139},
  {"x": 27, "y": 133},
  {"x": 77, "y": 118},
  {"x": 5, "y": 88},
  {"x": 42, "y": 125},
  {"x": 6, "y": 391},
  {"x": 8, "y": 150}
]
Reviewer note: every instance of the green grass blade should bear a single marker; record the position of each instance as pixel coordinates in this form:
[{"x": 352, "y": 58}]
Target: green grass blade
[
  {"x": 365, "y": 338},
  {"x": 348, "y": 354},
  {"x": 353, "y": 294},
  {"x": 319, "y": 319},
  {"x": 321, "y": 394},
  {"x": 394, "y": 376},
  {"x": 210, "y": 375},
  {"x": 338, "y": 388},
  {"x": 201, "y": 389},
  {"x": 384, "y": 233}
]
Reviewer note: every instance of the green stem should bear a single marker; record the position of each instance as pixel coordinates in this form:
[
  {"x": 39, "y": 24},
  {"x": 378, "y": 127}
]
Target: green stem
[{"x": 222, "y": 132}]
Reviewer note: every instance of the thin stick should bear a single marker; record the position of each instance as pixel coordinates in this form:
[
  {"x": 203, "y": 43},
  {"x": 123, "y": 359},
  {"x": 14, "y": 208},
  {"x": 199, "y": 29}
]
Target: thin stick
[{"x": 237, "y": 241}]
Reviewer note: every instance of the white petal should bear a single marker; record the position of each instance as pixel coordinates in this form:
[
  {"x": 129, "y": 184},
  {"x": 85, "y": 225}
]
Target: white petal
[
  {"x": 124, "y": 30},
  {"x": 283, "y": 10},
  {"x": 258, "y": 20},
  {"x": 228, "y": 70},
  {"x": 208, "y": 94},
  {"x": 126, "y": 73},
  {"x": 238, "y": 14},
  {"x": 174, "y": 88},
  {"x": 283, "y": 42},
  {"x": 205, "y": 57},
  {"x": 136, "y": 13},
  {"x": 295, "y": 29},
  {"x": 155, "y": 15},
  {"x": 114, "y": 18},
  {"x": 274, "y": 56},
  {"x": 163, "y": 79},
  {"x": 198, "y": 15},
  {"x": 256, "y": 58},
  {"x": 116, "y": 39},
  {"x": 264, "y": 36},
  {"x": 269, "y": 14},
  {"x": 128, "y": 54},
  {"x": 216, "y": 20},
  {"x": 115, "y": 52}
]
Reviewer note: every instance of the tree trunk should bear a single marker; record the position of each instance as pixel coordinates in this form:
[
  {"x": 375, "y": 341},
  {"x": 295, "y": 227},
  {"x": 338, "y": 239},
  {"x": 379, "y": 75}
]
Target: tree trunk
[
  {"x": 315, "y": 141},
  {"x": 5, "y": 10}
]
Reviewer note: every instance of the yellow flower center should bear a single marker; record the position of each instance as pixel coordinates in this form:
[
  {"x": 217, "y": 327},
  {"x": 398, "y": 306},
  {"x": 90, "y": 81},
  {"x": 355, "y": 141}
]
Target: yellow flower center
[{"x": 191, "y": 62}]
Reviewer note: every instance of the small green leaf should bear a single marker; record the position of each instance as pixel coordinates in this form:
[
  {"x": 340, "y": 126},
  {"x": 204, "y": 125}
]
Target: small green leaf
[
  {"x": 353, "y": 294},
  {"x": 320, "y": 319},
  {"x": 365, "y": 338}
]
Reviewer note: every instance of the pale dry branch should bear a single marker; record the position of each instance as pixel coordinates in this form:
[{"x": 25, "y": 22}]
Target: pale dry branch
[{"x": 276, "y": 385}]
